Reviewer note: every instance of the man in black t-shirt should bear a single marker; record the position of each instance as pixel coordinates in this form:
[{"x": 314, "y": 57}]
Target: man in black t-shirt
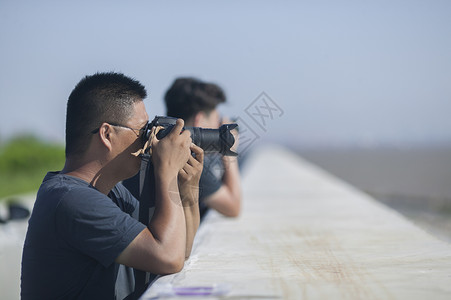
[
  {"x": 196, "y": 102},
  {"x": 83, "y": 223}
]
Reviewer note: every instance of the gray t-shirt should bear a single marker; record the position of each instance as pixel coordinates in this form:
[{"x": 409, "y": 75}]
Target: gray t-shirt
[
  {"x": 75, "y": 234},
  {"x": 210, "y": 180}
]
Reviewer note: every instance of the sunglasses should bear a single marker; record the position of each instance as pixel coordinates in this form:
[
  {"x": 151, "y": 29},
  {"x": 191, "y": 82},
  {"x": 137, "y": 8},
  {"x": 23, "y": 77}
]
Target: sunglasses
[{"x": 138, "y": 135}]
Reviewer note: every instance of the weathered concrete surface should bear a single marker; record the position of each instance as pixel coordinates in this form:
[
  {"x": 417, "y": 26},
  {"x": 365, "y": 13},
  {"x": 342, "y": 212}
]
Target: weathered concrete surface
[{"x": 306, "y": 235}]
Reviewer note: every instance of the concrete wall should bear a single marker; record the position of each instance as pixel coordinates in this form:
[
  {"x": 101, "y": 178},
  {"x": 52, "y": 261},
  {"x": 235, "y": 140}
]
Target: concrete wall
[{"x": 304, "y": 234}]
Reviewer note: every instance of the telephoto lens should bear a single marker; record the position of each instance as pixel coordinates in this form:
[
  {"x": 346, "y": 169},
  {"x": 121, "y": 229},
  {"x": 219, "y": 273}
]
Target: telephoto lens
[{"x": 210, "y": 140}]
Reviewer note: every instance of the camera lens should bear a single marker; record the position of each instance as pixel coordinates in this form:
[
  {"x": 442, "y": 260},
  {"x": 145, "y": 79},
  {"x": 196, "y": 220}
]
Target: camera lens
[{"x": 210, "y": 140}]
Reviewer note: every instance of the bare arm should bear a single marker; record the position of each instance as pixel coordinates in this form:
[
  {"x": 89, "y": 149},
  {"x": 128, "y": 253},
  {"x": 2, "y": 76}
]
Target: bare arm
[
  {"x": 227, "y": 199},
  {"x": 189, "y": 178},
  {"x": 161, "y": 247}
]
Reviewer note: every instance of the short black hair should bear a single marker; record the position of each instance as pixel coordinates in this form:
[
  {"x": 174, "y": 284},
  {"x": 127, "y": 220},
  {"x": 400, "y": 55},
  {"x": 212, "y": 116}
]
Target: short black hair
[
  {"x": 187, "y": 96},
  {"x": 98, "y": 98}
]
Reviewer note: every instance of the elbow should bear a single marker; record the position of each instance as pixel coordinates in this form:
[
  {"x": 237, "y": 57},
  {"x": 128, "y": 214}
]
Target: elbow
[
  {"x": 167, "y": 262},
  {"x": 232, "y": 212},
  {"x": 174, "y": 264},
  {"x": 173, "y": 268},
  {"x": 235, "y": 209},
  {"x": 171, "y": 265}
]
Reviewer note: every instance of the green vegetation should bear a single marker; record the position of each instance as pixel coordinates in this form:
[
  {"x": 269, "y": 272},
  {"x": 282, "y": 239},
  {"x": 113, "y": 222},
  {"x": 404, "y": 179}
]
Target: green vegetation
[{"x": 24, "y": 161}]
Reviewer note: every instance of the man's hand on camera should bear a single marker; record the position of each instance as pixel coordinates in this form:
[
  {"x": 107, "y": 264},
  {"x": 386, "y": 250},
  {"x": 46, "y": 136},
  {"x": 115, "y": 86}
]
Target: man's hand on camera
[
  {"x": 189, "y": 176},
  {"x": 171, "y": 153}
]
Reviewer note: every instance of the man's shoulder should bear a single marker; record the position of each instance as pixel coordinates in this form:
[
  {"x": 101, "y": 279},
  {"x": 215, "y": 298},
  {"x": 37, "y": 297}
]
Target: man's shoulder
[
  {"x": 57, "y": 185},
  {"x": 64, "y": 193},
  {"x": 57, "y": 180}
]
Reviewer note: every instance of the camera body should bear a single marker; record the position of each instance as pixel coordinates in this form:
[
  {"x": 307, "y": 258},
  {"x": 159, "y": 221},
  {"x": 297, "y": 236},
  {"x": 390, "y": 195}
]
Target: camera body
[{"x": 210, "y": 140}]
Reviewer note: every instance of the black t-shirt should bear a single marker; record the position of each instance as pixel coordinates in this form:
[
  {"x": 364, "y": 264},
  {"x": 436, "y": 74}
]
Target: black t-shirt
[
  {"x": 75, "y": 233},
  {"x": 210, "y": 180}
]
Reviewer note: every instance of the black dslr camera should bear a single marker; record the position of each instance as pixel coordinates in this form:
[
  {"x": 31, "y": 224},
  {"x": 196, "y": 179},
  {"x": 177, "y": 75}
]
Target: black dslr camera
[{"x": 210, "y": 140}]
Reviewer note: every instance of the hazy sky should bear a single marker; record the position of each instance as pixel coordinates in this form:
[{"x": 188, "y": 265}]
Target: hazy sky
[{"x": 334, "y": 72}]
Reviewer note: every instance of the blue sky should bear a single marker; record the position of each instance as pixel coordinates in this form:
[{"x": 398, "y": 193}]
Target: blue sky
[{"x": 341, "y": 72}]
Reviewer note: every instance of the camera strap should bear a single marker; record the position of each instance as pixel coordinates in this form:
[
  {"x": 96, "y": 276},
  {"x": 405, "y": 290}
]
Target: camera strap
[{"x": 146, "y": 207}]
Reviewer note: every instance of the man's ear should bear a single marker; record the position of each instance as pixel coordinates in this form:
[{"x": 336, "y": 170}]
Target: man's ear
[{"x": 105, "y": 134}]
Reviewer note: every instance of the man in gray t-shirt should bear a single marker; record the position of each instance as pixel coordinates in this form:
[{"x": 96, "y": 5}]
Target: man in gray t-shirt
[
  {"x": 83, "y": 223},
  {"x": 76, "y": 226}
]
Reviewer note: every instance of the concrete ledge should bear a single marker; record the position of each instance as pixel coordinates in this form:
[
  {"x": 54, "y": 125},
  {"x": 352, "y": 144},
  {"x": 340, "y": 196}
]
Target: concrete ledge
[{"x": 304, "y": 234}]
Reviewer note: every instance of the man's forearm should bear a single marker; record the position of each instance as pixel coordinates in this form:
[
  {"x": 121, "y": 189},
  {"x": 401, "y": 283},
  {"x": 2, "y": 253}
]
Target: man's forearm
[
  {"x": 192, "y": 220},
  {"x": 168, "y": 222},
  {"x": 190, "y": 201},
  {"x": 227, "y": 200},
  {"x": 231, "y": 178}
]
